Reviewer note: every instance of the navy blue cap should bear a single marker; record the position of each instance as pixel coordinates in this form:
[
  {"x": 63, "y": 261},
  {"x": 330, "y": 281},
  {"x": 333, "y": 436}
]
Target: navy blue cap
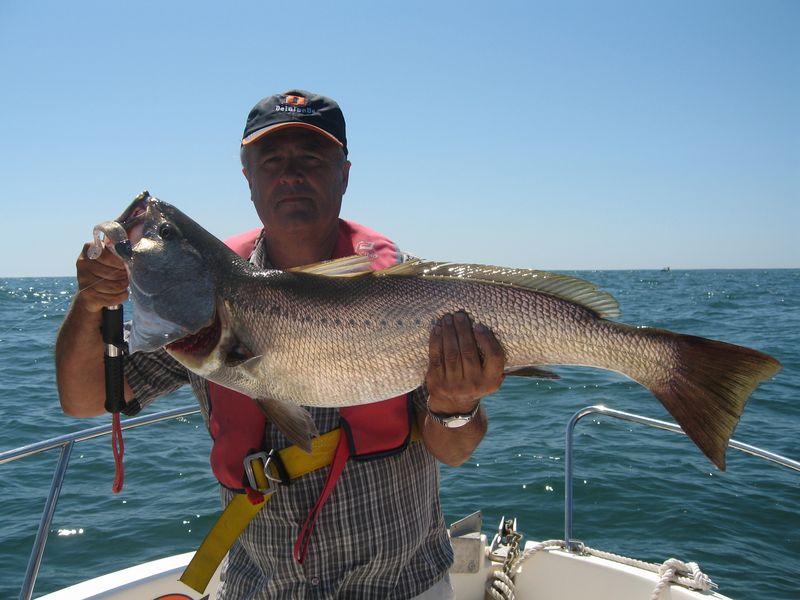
[{"x": 296, "y": 108}]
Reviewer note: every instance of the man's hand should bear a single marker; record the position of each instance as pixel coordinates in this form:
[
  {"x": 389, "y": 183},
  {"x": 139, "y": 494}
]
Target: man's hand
[
  {"x": 79, "y": 346},
  {"x": 101, "y": 282},
  {"x": 465, "y": 364}
]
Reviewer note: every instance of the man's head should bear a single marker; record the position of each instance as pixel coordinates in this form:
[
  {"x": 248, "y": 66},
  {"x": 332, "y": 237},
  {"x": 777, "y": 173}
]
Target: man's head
[
  {"x": 295, "y": 108},
  {"x": 294, "y": 156}
]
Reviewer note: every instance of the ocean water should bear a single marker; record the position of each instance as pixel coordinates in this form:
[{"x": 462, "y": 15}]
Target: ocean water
[{"x": 638, "y": 491}]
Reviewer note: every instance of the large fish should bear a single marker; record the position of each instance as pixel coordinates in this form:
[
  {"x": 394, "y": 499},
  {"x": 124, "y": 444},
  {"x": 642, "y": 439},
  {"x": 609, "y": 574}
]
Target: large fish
[{"x": 338, "y": 334}]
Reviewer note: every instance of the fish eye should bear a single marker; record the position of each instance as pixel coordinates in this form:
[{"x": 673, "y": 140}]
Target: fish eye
[{"x": 165, "y": 231}]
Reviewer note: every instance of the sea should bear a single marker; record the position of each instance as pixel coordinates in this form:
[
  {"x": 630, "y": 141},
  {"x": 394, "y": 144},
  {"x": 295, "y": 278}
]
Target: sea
[{"x": 638, "y": 491}]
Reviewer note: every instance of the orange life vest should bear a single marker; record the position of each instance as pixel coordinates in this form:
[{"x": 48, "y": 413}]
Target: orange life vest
[{"x": 372, "y": 430}]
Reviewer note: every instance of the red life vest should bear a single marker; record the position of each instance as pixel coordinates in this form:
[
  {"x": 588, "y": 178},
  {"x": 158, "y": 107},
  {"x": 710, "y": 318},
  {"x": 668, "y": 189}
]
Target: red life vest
[{"x": 373, "y": 430}]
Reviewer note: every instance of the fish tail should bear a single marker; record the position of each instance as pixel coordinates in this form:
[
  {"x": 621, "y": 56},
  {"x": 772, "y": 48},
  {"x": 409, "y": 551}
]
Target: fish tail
[{"x": 708, "y": 387}]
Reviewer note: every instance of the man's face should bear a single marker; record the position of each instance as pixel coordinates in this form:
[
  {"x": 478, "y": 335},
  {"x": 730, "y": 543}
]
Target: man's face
[{"x": 297, "y": 178}]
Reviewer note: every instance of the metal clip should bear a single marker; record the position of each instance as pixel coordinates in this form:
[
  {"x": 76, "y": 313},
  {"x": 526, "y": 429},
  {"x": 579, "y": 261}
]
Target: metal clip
[{"x": 273, "y": 469}]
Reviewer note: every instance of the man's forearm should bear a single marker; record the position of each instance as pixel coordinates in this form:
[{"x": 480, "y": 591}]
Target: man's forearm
[
  {"x": 452, "y": 446},
  {"x": 80, "y": 373}
]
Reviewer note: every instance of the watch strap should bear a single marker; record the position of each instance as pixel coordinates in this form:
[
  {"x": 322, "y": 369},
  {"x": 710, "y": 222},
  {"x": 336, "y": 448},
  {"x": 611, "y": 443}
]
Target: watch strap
[{"x": 454, "y": 421}]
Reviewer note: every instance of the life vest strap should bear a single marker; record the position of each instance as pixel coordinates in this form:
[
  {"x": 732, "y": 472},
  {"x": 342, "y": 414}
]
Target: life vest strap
[{"x": 242, "y": 509}]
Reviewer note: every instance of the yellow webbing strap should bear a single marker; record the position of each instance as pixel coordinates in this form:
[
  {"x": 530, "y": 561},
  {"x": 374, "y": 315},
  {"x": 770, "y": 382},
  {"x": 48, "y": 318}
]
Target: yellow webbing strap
[{"x": 240, "y": 511}]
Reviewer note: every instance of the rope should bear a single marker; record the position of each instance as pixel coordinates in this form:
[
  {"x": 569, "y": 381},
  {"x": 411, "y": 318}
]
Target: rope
[
  {"x": 672, "y": 566},
  {"x": 118, "y": 447},
  {"x": 501, "y": 585}
]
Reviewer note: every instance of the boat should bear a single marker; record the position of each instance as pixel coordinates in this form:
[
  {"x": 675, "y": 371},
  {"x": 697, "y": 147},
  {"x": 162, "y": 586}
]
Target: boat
[{"x": 502, "y": 568}]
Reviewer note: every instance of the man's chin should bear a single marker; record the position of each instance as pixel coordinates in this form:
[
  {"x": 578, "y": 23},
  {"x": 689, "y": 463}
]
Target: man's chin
[{"x": 296, "y": 221}]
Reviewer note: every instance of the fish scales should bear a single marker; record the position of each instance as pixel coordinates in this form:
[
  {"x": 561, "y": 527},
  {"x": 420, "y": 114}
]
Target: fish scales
[{"x": 375, "y": 346}]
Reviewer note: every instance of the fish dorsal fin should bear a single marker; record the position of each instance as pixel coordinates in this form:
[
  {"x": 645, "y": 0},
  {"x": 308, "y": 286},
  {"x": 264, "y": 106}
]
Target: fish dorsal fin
[
  {"x": 565, "y": 287},
  {"x": 349, "y": 266}
]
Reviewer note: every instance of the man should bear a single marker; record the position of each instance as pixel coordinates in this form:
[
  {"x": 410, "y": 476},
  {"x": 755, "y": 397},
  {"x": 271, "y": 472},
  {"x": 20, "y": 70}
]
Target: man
[{"x": 381, "y": 534}]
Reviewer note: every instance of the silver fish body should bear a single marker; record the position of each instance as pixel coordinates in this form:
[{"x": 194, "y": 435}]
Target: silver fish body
[
  {"x": 326, "y": 341},
  {"x": 299, "y": 338}
]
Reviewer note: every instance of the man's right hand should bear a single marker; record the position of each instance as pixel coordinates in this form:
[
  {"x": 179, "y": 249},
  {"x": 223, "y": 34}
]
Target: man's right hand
[
  {"x": 80, "y": 373},
  {"x": 102, "y": 281}
]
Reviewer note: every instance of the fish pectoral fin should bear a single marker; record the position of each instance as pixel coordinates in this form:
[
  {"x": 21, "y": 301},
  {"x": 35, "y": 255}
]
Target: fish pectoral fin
[
  {"x": 534, "y": 372},
  {"x": 292, "y": 420},
  {"x": 239, "y": 355},
  {"x": 349, "y": 266}
]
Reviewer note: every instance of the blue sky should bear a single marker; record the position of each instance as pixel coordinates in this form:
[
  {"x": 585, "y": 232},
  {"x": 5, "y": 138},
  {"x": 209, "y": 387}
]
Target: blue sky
[{"x": 556, "y": 135}]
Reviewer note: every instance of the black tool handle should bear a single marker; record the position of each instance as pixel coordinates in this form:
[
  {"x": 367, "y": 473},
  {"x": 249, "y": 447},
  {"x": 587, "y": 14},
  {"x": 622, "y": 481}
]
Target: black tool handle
[{"x": 113, "y": 358}]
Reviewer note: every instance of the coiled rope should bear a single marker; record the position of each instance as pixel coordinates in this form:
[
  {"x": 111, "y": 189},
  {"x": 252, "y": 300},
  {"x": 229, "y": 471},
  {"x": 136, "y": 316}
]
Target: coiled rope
[{"x": 501, "y": 584}]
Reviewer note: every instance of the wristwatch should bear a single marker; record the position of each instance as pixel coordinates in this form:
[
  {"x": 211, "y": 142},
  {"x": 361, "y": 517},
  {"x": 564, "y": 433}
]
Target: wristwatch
[{"x": 454, "y": 421}]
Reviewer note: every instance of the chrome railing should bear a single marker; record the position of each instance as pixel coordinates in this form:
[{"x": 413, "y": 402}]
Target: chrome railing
[
  {"x": 618, "y": 414},
  {"x": 66, "y": 442}
]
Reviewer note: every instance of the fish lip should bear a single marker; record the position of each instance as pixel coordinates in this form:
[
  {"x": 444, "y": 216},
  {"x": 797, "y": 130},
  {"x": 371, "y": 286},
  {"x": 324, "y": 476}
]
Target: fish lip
[
  {"x": 136, "y": 211},
  {"x": 132, "y": 221}
]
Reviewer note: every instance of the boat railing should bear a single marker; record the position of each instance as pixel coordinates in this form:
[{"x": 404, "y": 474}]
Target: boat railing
[
  {"x": 66, "y": 442},
  {"x": 569, "y": 462}
]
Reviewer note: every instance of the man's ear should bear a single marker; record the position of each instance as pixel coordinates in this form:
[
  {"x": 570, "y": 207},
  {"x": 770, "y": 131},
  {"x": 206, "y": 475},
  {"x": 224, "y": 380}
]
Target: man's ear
[
  {"x": 345, "y": 175},
  {"x": 247, "y": 176}
]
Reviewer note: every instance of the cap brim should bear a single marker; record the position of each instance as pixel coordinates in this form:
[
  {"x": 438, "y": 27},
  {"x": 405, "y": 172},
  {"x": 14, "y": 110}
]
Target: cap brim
[{"x": 259, "y": 133}]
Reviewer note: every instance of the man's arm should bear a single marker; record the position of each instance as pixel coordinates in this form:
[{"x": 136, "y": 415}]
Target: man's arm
[
  {"x": 465, "y": 364},
  {"x": 79, "y": 346}
]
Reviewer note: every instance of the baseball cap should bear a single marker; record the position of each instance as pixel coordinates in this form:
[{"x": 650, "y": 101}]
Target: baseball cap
[{"x": 296, "y": 108}]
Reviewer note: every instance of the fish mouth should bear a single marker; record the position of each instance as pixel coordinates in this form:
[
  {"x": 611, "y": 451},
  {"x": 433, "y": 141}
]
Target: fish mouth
[
  {"x": 122, "y": 234},
  {"x": 132, "y": 220},
  {"x": 136, "y": 210},
  {"x": 200, "y": 343}
]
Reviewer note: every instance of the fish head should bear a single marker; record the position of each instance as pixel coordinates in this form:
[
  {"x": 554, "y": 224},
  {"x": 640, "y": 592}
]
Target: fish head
[{"x": 173, "y": 266}]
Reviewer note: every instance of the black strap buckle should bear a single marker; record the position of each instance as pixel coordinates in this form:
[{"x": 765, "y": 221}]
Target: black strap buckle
[{"x": 270, "y": 464}]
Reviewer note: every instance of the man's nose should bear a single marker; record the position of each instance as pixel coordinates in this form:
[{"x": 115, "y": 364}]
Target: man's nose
[{"x": 292, "y": 172}]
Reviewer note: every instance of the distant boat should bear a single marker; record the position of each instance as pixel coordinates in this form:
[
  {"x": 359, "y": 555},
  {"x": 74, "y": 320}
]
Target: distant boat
[{"x": 665, "y": 269}]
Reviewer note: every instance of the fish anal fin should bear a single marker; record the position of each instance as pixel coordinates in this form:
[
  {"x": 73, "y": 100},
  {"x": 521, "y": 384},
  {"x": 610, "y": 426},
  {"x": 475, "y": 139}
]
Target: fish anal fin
[
  {"x": 292, "y": 420},
  {"x": 708, "y": 388},
  {"x": 533, "y": 372}
]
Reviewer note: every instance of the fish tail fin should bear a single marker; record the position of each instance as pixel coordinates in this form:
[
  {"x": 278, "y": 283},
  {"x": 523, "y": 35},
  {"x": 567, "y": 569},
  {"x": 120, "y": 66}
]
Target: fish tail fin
[{"x": 708, "y": 387}]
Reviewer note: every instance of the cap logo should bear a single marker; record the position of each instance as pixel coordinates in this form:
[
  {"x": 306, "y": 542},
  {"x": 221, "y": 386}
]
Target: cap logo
[{"x": 294, "y": 104}]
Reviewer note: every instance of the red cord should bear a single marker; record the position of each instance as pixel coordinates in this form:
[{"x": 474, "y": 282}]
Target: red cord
[
  {"x": 337, "y": 466},
  {"x": 118, "y": 447}
]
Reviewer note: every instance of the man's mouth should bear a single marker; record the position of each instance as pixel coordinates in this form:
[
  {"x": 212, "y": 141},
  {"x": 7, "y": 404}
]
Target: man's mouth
[{"x": 293, "y": 199}]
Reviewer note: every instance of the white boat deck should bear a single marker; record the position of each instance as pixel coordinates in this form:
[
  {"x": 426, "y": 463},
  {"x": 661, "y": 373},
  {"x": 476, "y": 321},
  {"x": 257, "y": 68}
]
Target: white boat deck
[{"x": 548, "y": 574}]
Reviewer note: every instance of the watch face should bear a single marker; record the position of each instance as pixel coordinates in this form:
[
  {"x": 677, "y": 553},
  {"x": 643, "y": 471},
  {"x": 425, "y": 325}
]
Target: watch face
[{"x": 454, "y": 422}]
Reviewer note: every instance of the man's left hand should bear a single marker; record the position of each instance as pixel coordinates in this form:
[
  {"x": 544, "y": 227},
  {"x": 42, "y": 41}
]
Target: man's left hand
[{"x": 465, "y": 364}]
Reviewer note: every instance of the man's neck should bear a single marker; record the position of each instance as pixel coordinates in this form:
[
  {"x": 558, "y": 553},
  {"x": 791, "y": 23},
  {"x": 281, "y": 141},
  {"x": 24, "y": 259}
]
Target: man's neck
[{"x": 285, "y": 252}]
